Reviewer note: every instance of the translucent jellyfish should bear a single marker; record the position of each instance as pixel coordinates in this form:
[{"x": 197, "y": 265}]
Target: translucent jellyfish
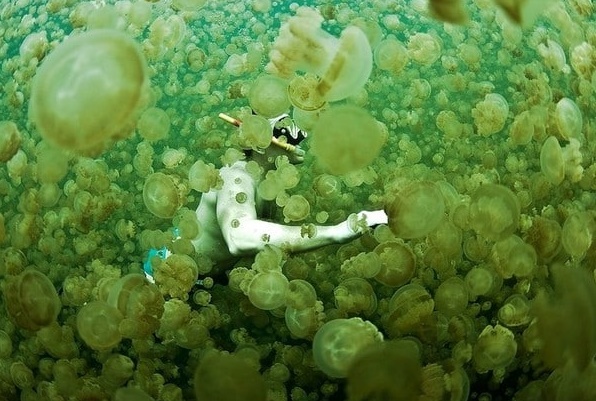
[
  {"x": 10, "y": 140},
  {"x": 202, "y": 177},
  {"x": 391, "y": 55},
  {"x": 424, "y": 48},
  {"x": 513, "y": 257},
  {"x": 482, "y": 281},
  {"x": 553, "y": 55},
  {"x": 97, "y": 324},
  {"x": 490, "y": 114},
  {"x": 297, "y": 208},
  {"x": 568, "y": 119},
  {"x": 346, "y": 138},
  {"x": 303, "y": 93},
  {"x": 188, "y": 5},
  {"x": 522, "y": 129},
  {"x": 255, "y": 133},
  {"x": 338, "y": 341},
  {"x": 161, "y": 195},
  {"x": 577, "y": 234},
  {"x": 495, "y": 349},
  {"x": 268, "y": 96},
  {"x": 524, "y": 12},
  {"x": 515, "y": 311},
  {"x": 451, "y": 297},
  {"x": 268, "y": 290},
  {"x": 415, "y": 210},
  {"x": 452, "y": 11},
  {"x": 31, "y": 300},
  {"x": 343, "y": 64},
  {"x": 494, "y": 212},
  {"x": 410, "y": 307},
  {"x": 389, "y": 371},
  {"x": 582, "y": 60},
  {"x": 227, "y": 377},
  {"x": 154, "y": 124},
  {"x": 87, "y": 92},
  {"x": 552, "y": 163},
  {"x": 398, "y": 263}
]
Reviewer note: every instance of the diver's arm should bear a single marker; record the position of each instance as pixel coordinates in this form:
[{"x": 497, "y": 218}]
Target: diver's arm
[{"x": 245, "y": 234}]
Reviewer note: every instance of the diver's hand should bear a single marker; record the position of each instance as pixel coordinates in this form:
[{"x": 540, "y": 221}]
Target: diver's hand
[{"x": 358, "y": 223}]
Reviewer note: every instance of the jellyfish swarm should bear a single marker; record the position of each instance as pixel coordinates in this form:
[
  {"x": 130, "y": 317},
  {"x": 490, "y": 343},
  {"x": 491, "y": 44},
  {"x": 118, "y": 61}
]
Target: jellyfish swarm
[
  {"x": 89, "y": 90},
  {"x": 343, "y": 64}
]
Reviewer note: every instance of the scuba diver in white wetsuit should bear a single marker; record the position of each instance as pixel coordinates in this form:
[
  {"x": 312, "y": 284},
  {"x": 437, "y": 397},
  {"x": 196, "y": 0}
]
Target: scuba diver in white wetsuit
[{"x": 231, "y": 229}]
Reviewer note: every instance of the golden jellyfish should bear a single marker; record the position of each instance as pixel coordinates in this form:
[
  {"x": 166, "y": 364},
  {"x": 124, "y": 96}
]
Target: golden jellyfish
[
  {"x": 568, "y": 119},
  {"x": 338, "y": 341},
  {"x": 188, "y": 5},
  {"x": 346, "y": 138},
  {"x": 391, "y": 55},
  {"x": 578, "y": 231},
  {"x": 552, "y": 163},
  {"x": 490, "y": 114},
  {"x": 297, "y": 208},
  {"x": 494, "y": 212},
  {"x": 451, "y": 298},
  {"x": 303, "y": 94},
  {"x": 524, "y": 12},
  {"x": 495, "y": 349},
  {"x": 410, "y": 309},
  {"x": 424, "y": 48},
  {"x": 31, "y": 300},
  {"x": 415, "y": 210},
  {"x": 161, "y": 195},
  {"x": 452, "y": 11},
  {"x": 255, "y": 132},
  {"x": 513, "y": 257},
  {"x": 389, "y": 371},
  {"x": 228, "y": 377},
  {"x": 154, "y": 124},
  {"x": 398, "y": 263},
  {"x": 343, "y": 65},
  {"x": 97, "y": 324},
  {"x": 268, "y": 96},
  {"x": 267, "y": 291},
  {"x": 88, "y": 91},
  {"x": 10, "y": 140}
]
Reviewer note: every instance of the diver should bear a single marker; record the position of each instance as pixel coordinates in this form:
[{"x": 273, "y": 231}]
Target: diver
[{"x": 232, "y": 229}]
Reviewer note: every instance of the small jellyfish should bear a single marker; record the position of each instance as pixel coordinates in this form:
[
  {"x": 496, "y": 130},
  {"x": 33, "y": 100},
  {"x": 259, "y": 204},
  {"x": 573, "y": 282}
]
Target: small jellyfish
[
  {"x": 552, "y": 163},
  {"x": 161, "y": 195}
]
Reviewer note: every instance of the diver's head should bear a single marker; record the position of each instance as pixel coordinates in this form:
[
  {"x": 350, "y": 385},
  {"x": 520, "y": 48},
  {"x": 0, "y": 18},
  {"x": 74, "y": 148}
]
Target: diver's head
[
  {"x": 285, "y": 139},
  {"x": 287, "y": 136}
]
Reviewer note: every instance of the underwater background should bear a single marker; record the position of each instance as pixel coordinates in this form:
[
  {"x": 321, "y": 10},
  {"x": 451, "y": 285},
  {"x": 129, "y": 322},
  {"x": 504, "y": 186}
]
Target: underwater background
[{"x": 481, "y": 286}]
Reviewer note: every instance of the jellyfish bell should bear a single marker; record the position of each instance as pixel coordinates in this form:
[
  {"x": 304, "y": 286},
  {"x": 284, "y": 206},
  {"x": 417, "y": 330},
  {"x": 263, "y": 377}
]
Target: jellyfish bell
[
  {"x": 88, "y": 91},
  {"x": 524, "y": 12},
  {"x": 343, "y": 64}
]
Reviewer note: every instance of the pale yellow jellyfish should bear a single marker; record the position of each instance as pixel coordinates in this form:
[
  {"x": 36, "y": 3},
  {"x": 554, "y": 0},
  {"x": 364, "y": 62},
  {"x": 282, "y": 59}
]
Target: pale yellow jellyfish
[
  {"x": 268, "y": 96},
  {"x": 343, "y": 64},
  {"x": 415, "y": 210},
  {"x": 452, "y": 11},
  {"x": 161, "y": 195},
  {"x": 391, "y": 55},
  {"x": 338, "y": 341},
  {"x": 552, "y": 163},
  {"x": 346, "y": 138},
  {"x": 524, "y": 12},
  {"x": 87, "y": 91}
]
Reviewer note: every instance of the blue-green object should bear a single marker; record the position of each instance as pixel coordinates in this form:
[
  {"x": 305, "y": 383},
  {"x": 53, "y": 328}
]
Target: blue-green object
[
  {"x": 163, "y": 253},
  {"x": 147, "y": 266}
]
